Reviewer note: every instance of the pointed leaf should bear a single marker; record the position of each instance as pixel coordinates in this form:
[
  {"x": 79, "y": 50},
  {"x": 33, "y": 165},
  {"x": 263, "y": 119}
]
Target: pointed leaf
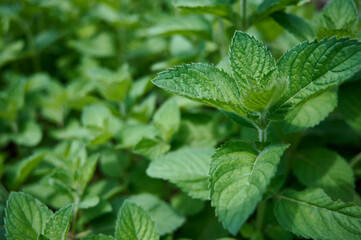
[
  {"x": 250, "y": 59},
  {"x": 134, "y": 223},
  {"x": 167, "y": 119},
  {"x": 166, "y": 219},
  {"x": 186, "y": 168},
  {"x": 320, "y": 167},
  {"x": 58, "y": 225},
  {"x": 25, "y": 217},
  {"x": 239, "y": 177},
  {"x": 151, "y": 148},
  {"x": 312, "y": 214},
  {"x": 204, "y": 83},
  {"x": 313, "y": 68}
]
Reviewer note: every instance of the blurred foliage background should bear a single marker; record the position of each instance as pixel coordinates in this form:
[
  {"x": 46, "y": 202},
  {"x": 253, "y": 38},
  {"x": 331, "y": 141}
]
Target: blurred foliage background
[{"x": 80, "y": 119}]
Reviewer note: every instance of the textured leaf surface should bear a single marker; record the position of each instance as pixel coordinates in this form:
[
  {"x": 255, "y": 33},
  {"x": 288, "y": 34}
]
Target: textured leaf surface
[
  {"x": 312, "y": 214},
  {"x": 134, "y": 223},
  {"x": 250, "y": 59},
  {"x": 310, "y": 113},
  {"x": 186, "y": 168},
  {"x": 220, "y": 8},
  {"x": 25, "y": 218},
  {"x": 315, "y": 67},
  {"x": 239, "y": 177},
  {"x": 337, "y": 18},
  {"x": 349, "y": 104},
  {"x": 58, "y": 225},
  {"x": 320, "y": 167},
  {"x": 167, "y": 119},
  {"x": 166, "y": 219},
  {"x": 204, "y": 83}
]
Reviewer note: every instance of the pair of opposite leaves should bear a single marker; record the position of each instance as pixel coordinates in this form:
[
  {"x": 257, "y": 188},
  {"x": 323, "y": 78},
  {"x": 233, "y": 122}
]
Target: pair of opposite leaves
[{"x": 258, "y": 85}]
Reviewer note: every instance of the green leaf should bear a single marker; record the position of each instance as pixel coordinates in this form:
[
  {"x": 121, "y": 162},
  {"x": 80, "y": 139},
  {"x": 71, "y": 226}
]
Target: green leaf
[
  {"x": 151, "y": 148},
  {"x": 19, "y": 172},
  {"x": 134, "y": 223},
  {"x": 58, "y": 225},
  {"x": 167, "y": 119},
  {"x": 30, "y": 136},
  {"x": 269, "y": 6},
  {"x": 221, "y": 8},
  {"x": 310, "y": 113},
  {"x": 298, "y": 26},
  {"x": 250, "y": 60},
  {"x": 313, "y": 68},
  {"x": 187, "y": 168},
  {"x": 338, "y": 18},
  {"x": 166, "y": 219},
  {"x": 187, "y": 205},
  {"x": 86, "y": 172},
  {"x": 98, "y": 237},
  {"x": 25, "y": 218},
  {"x": 204, "y": 83},
  {"x": 239, "y": 177},
  {"x": 349, "y": 102},
  {"x": 312, "y": 214},
  {"x": 187, "y": 25},
  {"x": 101, "y": 45},
  {"x": 320, "y": 167}
]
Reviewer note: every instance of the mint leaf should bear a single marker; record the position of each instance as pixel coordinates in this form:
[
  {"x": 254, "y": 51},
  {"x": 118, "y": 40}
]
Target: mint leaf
[
  {"x": 18, "y": 173},
  {"x": 312, "y": 214},
  {"x": 25, "y": 217},
  {"x": 338, "y": 18},
  {"x": 166, "y": 219},
  {"x": 98, "y": 237},
  {"x": 30, "y": 136},
  {"x": 239, "y": 177},
  {"x": 151, "y": 148},
  {"x": 313, "y": 68},
  {"x": 167, "y": 119},
  {"x": 188, "y": 25},
  {"x": 134, "y": 223},
  {"x": 349, "y": 102},
  {"x": 221, "y": 8},
  {"x": 310, "y": 113},
  {"x": 58, "y": 225},
  {"x": 250, "y": 60},
  {"x": 320, "y": 167},
  {"x": 204, "y": 83},
  {"x": 187, "y": 168}
]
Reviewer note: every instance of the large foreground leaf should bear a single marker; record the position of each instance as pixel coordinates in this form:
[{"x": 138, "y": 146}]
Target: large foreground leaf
[
  {"x": 186, "y": 168},
  {"x": 315, "y": 67},
  {"x": 239, "y": 177},
  {"x": 312, "y": 214},
  {"x": 134, "y": 223}
]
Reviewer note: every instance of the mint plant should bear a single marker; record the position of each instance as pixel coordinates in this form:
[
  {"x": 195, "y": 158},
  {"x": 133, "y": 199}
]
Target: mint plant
[{"x": 260, "y": 91}]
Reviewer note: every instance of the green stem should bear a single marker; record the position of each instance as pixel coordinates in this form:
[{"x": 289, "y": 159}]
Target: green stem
[
  {"x": 75, "y": 213},
  {"x": 244, "y": 15},
  {"x": 261, "y": 209},
  {"x": 262, "y": 129}
]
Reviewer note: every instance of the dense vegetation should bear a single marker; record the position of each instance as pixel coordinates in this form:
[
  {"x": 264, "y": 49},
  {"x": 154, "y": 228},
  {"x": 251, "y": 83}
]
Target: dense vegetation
[{"x": 257, "y": 136}]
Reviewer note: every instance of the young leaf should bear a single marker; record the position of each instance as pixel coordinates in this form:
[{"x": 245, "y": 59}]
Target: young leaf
[
  {"x": 312, "y": 214},
  {"x": 349, "y": 102},
  {"x": 58, "y": 225},
  {"x": 25, "y": 217},
  {"x": 239, "y": 177},
  {"x": 167, "y": 119},
  {"x": 186, "y": 168},
  {"x": 310, "y": 113},
  {"x": 313, "y": 68},
  {"x": 250, "y": 60},
  {"x": 221, "y": 8},
  {"x": 166, "y": 220},
  {"x": 134, "y": 223},
  {"x": 204, "y": 83},
  {"x": 338, "y": 18}
]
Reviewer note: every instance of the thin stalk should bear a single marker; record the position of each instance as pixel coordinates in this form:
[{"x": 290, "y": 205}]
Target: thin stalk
[
  {"x": 261, "y": 209},
  {"x": 244, "y": 15},
  {"x": 75, "y": 213},
  {"x": 262, "y": 129}
]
